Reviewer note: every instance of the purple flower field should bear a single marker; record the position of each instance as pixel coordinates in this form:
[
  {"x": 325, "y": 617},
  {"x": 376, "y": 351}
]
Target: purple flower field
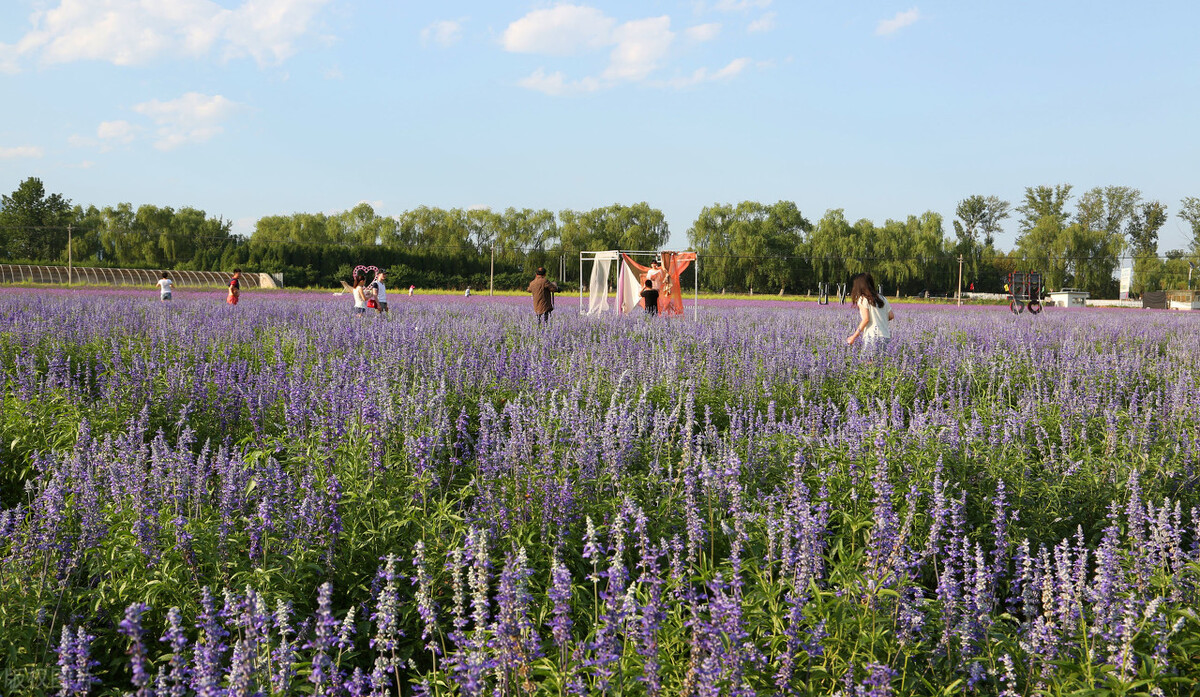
[{"x": 279, "y": 498}]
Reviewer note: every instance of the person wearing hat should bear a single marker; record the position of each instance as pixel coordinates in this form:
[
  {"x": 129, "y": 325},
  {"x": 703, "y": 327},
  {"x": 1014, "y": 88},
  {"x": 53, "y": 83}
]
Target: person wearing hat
[{"x": 543, "y": 291}]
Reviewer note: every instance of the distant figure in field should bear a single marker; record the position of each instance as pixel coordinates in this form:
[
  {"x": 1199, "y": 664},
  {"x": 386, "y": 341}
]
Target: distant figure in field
[
  {"x": 411, "y": 290},
  {"x": 235, "y": 287},
  {"x": 543, "y": 291},
  {"x": 650, "y": 297},
  {"x": 165, "y": 284},
  {"x": 467, "y": 294},
  {"x": 874, "y": 312},
  {"x": 379, "y": 290},
  {"x": 360, "y": 296}
]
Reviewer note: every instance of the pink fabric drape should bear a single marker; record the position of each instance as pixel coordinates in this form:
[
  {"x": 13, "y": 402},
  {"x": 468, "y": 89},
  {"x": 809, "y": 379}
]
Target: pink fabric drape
[{"x": 670, "y": 300}]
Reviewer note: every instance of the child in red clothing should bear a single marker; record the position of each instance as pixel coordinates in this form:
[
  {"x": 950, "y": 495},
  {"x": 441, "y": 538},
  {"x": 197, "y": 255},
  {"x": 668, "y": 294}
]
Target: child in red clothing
[{"x": 235, "y": 287}]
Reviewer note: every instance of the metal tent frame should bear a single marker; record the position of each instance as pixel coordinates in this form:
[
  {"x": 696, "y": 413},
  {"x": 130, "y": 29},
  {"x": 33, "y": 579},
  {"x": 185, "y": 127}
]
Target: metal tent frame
[{"x": 591, "y": 256}]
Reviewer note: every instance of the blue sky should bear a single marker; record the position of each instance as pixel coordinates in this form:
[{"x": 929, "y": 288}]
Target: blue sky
[{"x": 247, "y": 108}]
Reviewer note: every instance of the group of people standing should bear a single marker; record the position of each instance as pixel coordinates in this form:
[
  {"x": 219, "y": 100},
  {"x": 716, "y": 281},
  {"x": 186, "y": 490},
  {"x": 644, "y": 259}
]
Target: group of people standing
[
  {"x": 875, "y": 312},
  {"x": 371, "y": 296},
  {"x": 543, "y": 290},
  {"x": 653, "y": 283},
  {"x": 166, "y": 288}
]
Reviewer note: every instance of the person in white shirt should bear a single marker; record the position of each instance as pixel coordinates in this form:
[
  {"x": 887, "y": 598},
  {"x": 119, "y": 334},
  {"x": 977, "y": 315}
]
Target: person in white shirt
[
  {"x": 360, "y": 296},
  {"x": 165, "y": 286},
  {"x": 874, "y": 312},
  {"x": 468, "y": 293},
  {"x": 380, "y": 292}
]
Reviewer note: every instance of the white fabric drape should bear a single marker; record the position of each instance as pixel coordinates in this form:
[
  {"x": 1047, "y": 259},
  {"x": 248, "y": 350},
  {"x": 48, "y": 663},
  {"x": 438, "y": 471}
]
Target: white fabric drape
[
  {"x": 631, "y": 288},
  {"x": 598, "y": 285}
]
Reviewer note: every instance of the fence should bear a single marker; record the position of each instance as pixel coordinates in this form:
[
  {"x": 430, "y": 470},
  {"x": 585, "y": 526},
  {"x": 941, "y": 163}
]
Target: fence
[{"x": 89, "y": 275}]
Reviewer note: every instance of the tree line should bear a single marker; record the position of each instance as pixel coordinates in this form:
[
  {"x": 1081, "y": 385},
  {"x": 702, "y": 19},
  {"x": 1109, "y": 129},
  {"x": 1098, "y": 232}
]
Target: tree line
[{"x": 749, "y": 246}]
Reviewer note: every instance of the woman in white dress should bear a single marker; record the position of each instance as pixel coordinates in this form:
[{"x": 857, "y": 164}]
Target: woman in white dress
[
  {"x": 874, "y": 312},
  {"x": 360, "y": 296}
]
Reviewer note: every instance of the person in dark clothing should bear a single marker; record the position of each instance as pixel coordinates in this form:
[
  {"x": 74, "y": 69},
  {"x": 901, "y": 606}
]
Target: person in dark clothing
[
  {"x": 543, "y": 291},
  {"x": 650, "y": 296}
]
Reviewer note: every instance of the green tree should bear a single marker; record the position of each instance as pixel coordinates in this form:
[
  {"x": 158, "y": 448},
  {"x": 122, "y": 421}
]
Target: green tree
[
  {"x": 751, "y": 245},
  {"x": 361, "y": 225},
  {"x": 710, "y": 237},
  {"x": 1043, "y": 248},
  {"x": 1041, "y": 202},
  {"x": 976, "y": 226},
  {"x": 33, "y": 224},
  {"x": 836, "y": 248},
  {"x": 979, "y": 219},
  {"x": 527, "y": 237},
  {"x": 786, "y": 231},
  {"x": 1142, "y": 232},
  {"x": 895, "y": 264},
  {"x": 436, "y": 229},
  {"x": 1189, "y": 210},
  {"x": 119, "y": 242},
  {"x": 1091, "y": 256},
  {"x": 1108, "y": 208},
  {"x": 484, "y": 227},
  {"x": 1143, "y": 226},
  {"x": 636, "y": 227},
  {"x": 298, "y": 228},
  {"x": 932, "y": 251}
]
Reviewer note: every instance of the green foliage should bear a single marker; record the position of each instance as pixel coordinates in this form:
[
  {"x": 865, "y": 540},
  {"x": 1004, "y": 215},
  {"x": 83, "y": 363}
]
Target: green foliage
[
  {"x": 752, "y": 245},
  {"x": 32, "y": 223},
  {"x": 1189, "y": 211}
]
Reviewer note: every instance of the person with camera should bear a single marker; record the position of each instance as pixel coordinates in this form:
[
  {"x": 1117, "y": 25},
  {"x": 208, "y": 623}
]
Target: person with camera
[{"x": 543, "y": 291}]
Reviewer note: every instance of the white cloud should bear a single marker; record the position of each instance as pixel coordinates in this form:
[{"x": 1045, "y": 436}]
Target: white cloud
[
  {"x": 703, "y": 32},
  {"x": 637, "y": 46},
  {"x": 137, "y": 32},
  {"x": 740, "y": 5},
  {"x": 702, "y": 75},
  {"x": 117, "y": 131},
  {"x": 562, "y": 30},
  {"x": 445, "y": 33},
  {"x": 735, "y": 66},
  {"x": 20, "y": 151},
  {"x": 901, "y": 20},
  {"x": 641, "y": 44},
  {"x": 332, "y": 74},
  {"x": 193, "y": 118},
  {"x": 764, "y": 23},
  {"x": 556, "y": 83}
]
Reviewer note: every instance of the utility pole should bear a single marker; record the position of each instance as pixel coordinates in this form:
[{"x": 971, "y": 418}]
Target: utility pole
[
  {"x": 492, "y": 277},
  {"x": 960, "y": 279},
  {"x": 69, "y": 270}
]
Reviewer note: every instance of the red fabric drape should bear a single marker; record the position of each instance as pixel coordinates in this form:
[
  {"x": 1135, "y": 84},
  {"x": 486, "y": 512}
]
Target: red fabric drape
[{"x": 670, "y": 299}]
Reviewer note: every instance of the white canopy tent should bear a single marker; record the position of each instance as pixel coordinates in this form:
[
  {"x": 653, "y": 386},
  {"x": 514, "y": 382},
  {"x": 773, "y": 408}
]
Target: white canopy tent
[{"x": 629, "y": 284}]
